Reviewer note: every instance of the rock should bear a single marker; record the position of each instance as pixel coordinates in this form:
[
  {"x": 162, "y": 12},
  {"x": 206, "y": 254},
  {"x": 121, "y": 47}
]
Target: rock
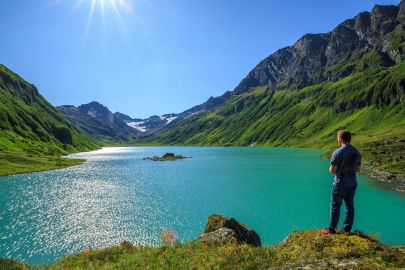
[
  {"x": 220, "y": 236},
  {"x": 168, "y": 155},
  {"x": 243, "y": 233}
]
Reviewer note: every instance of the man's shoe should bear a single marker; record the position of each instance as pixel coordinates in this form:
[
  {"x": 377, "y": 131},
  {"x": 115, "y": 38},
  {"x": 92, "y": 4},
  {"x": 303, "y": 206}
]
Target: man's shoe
[{"x": 347, "y": 232}]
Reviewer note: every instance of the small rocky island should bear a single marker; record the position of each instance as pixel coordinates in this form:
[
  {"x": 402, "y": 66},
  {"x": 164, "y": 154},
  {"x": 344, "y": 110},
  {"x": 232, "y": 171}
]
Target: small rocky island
[{"x": 165, "y": 157}]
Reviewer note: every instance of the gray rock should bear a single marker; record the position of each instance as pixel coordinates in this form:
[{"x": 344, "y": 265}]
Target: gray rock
[
  {"x": 243, "y": 233},
  {"x": 220, "y": 236}
]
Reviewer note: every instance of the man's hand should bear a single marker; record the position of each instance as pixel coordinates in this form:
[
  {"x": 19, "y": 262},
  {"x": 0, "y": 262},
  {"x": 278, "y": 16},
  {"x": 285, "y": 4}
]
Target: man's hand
[
  {"x": 332, "y": 169},
  {"x": 357, "y": 168}
]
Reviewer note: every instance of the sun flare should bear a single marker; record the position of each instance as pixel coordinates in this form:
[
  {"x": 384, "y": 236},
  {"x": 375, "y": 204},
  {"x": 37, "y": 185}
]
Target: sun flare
[{"x": 107, "y": 10}]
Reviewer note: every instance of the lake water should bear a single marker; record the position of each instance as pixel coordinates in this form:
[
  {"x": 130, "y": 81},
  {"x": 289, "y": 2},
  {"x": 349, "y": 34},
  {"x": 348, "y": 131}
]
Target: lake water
[{"x": 117, "y": 196}]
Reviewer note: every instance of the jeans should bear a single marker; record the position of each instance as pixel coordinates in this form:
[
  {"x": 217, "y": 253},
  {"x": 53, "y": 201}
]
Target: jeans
[{"x": 340, "y": 194}]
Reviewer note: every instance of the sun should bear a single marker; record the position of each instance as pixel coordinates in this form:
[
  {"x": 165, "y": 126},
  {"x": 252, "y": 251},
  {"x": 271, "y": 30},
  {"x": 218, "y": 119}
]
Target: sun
[
  {"x": 119, "y": 8},
  {"x": 108, "y": 11}
]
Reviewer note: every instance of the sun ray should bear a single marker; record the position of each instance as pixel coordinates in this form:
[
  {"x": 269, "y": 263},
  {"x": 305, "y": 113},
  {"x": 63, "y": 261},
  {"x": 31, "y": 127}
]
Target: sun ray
[
  {"x": 89, "y": 20},
  {"x": 118, "y": 14},
  {"x": 75, "y": 8},
  {"x": 102, "y": 11},
  {"x": 87, "y": 29},
  {"x": 124, "y": 30}
]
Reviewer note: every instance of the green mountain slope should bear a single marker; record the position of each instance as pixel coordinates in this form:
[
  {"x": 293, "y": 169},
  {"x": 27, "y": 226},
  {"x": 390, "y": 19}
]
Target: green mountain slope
[
  {"x": 33, "y": 134},
  {"x": 369, "y": 103}
]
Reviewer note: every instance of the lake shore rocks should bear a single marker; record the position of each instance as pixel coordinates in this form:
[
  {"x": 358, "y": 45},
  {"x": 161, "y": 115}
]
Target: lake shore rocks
[
  {"x": 397, "y": 181},
  {"x": 221, "y": 229},
  {"x": 166, "y": 157}
]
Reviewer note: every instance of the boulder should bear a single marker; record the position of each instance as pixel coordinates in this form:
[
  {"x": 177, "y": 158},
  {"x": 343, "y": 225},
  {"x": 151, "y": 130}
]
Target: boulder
[
  {"x": 242, "y": 233},
  {"x": 168, "y": 155},
  {"x": 220, "y": 236}
]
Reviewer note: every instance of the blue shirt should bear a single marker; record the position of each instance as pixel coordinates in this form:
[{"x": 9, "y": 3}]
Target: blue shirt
[{"x": 346, "y": 158}]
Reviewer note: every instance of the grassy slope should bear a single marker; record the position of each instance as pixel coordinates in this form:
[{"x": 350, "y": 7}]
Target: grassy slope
[
  {"x": 370, "y": 103},
  {"x": 33, "y": 134},
  {"x": 303, "y": 248},
  {"x": 15, "y": 162}
]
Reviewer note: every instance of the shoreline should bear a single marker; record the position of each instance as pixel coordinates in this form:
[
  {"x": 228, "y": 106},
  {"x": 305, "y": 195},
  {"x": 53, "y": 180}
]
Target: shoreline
[{"x": 395, "y": 181}]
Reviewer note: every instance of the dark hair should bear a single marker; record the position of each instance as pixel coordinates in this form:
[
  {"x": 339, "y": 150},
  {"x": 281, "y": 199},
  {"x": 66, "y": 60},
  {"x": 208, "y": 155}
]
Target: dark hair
[{"x": 345, "y": 136}]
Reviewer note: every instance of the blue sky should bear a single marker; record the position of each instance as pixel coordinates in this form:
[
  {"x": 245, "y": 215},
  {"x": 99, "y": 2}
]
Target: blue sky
[{"x": 157, "y": 56}]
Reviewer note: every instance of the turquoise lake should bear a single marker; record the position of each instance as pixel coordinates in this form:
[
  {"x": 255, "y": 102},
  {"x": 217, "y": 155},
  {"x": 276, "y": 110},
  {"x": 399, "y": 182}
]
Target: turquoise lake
[{"x": 116, "y": 196}]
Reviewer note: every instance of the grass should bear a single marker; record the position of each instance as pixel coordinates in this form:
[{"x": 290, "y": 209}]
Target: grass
[
  {"x": 300, "y": 249},
  {"x": 16, "y": 163}
]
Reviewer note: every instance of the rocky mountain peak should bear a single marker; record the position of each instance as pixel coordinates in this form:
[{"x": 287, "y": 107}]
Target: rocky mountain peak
[
  {"x": 383, "y": 18},
  {"x": 401, "y": 13},
  {"x": 97, "y": 110},
  {"x": 312, "y": 58}
]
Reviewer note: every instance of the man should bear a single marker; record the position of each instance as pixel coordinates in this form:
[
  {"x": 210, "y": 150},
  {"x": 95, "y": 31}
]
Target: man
[{"x": 344, "y": 164}]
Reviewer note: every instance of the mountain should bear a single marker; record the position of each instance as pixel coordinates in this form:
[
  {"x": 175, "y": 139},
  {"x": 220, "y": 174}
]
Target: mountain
[
  {"x": 352, "y": 77},
  {"x": 98, "y": 122},
  {"x": 31, "y": 128},
  {"x": 316, "y": 58}
]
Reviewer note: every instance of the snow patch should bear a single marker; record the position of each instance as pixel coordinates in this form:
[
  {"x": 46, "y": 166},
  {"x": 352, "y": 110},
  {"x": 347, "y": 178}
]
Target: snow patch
[
  {"x": 138, "y": 126},
  {"x": 92, "y": 112},
  {"x": 170, "y": 119}
]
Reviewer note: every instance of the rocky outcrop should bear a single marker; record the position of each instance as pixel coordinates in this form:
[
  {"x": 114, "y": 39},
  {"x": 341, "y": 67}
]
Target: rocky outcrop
[{"x": 220, "y": 229}]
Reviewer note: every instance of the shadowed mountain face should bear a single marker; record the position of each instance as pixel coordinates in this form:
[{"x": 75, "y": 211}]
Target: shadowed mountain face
[{"x": 98, "y": 122}]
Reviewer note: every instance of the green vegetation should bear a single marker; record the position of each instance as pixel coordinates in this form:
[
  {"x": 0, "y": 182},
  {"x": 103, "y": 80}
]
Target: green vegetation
[
  {"x": 370, "y": 103},
  {"x": 300, "y": 249},
  {"x": 6, "y": 264},
  {"x": 15, "y": 162},
  {"x": 33, "y": 134}
]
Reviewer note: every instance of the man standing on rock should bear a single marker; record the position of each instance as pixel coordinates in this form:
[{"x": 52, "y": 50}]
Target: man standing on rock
[{"x": 344, "y": 164}]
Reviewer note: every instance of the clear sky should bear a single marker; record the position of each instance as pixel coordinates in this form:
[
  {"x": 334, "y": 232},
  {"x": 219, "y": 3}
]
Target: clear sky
[{"x": 146, "y": 57}]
